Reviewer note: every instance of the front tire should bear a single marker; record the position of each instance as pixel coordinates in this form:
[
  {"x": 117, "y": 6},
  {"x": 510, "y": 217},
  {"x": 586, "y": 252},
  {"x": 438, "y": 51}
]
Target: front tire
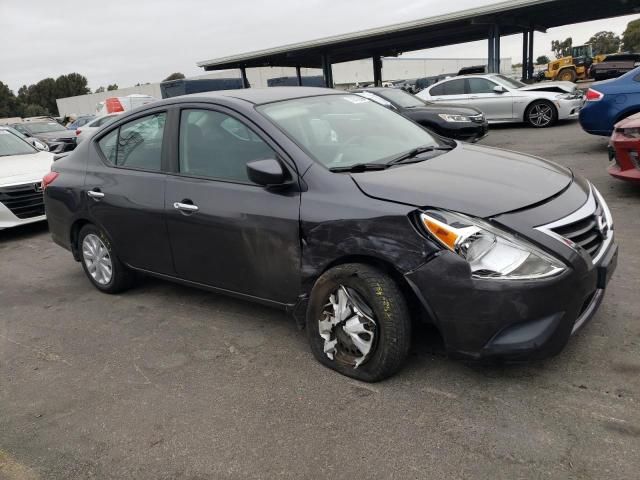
[
  {"x": 541, "y": 114},
  {"x": 568, "y": 75},
  {"x": 100, "y": 263},
  {"x": 358, "y": 322}
]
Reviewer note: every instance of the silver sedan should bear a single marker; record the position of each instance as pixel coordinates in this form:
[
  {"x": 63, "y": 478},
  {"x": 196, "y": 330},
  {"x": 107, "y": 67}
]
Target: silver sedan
[{"x": 503, "y": 99}]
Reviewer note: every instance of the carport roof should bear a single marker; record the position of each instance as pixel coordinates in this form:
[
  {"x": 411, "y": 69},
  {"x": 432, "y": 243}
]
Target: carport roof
[{"x": 513, "y": 16}]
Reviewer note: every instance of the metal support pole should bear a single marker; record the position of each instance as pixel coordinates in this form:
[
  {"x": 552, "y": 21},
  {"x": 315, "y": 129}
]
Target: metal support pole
[
  {"x": 530, "y": 67},
  {"x": 245, "y": 81},
  {"x": 491, "y": 50},
  {"x": 496, "y": 49},
  {"x": 326, "y": 71},
  {"x": 377, "y": 70},
  {"x": 299, "y": 76},
  {"x": 525, "y": 55}
]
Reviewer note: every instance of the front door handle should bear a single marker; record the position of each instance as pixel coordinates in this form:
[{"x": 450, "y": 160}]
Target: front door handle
[
  {"x": 185, "y": 207},
  {"x": 96, "y": 194}
]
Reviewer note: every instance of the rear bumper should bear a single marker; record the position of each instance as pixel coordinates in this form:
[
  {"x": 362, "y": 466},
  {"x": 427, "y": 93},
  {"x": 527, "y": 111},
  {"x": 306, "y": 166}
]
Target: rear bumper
[{"x": 512, "y": 320}]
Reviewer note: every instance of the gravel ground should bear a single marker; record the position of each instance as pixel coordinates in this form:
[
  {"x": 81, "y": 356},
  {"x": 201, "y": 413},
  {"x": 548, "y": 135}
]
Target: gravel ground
[{"x": 166, "y": 382}]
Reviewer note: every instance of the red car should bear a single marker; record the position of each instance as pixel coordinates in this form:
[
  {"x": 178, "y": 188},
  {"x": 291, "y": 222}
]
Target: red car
[{"x": 624, "y": 149}]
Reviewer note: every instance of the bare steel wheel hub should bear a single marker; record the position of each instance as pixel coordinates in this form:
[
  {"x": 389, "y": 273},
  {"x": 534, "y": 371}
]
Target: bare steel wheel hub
[
  {"x": 347, "y": 327},
  {"x": 97, "y": 259}
]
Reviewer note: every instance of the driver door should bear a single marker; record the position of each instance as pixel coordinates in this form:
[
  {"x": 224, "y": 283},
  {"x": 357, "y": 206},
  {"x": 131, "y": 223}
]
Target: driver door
[{"x": 482, "y": 96}]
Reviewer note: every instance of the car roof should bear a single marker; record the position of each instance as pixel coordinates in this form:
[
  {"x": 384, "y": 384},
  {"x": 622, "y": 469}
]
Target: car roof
[{"x": 260, "y": 96}]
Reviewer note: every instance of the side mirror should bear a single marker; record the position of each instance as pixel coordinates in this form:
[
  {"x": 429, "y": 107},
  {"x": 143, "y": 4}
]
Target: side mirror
[
  {"x": 499, "y": 89},
  {"x": 267, "y": 172}
]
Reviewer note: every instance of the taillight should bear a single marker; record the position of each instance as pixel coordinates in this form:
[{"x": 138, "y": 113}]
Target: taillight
[
  {"x": 78, "y": 131},
  {"x": 593, "y": 95},
  {"x": 48, "y": 179}
]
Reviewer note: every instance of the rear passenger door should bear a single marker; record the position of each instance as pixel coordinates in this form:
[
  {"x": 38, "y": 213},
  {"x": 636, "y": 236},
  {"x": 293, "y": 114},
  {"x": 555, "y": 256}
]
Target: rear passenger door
[
  {"x": 124, "y": 191},
  {"x": 225, "y": 231}
]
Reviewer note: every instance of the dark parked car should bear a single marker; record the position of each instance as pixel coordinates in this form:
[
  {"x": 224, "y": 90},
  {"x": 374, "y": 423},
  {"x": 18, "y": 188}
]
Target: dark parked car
[
  {"x": 352, "y": 217},
  {"x": 81, "y": 121},
  {"x": 614, "y": 65},
  {"x": 448, "y": 120},
  {"x": 57, "y": 138}
]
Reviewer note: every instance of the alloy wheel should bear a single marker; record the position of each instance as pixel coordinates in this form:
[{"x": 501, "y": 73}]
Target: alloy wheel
[
  {"x": 348, "y": 327},
  {"x": 541, "y": 115},
  {"x": 97, "y": 259}
]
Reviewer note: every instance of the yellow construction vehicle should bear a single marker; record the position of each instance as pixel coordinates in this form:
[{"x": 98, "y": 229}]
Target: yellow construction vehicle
[{"x": 573, "y": 67}]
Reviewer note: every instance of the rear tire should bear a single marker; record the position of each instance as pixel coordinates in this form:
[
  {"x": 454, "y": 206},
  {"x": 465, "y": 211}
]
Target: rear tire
[
  {"x": 541, "y": 114},
  {"x": 371, "y": 341},
  {"x": 100, "y": 263}
]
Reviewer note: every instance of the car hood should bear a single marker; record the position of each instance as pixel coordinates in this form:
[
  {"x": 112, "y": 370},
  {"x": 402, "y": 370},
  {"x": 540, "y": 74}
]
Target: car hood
[
  {"x": 555, "y": 87},
  {"x": 452, "y": 108},
  {"x": 471, "y": 179},
  {"x": 632, "y": 121},
  {"x": 16, "y": 169},
  {"x": 52, "y": 135}
]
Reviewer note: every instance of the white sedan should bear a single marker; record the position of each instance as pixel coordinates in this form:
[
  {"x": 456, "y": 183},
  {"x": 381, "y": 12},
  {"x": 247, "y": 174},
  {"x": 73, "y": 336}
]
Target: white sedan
[
  {"x": 94, "y": 125},
  {"x": 503, "y": 99},
  {"x": 22, "y": 168}
]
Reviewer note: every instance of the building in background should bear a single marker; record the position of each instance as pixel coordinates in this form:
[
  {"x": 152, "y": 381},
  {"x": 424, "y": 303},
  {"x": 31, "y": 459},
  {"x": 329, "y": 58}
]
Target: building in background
[{"x": 344, "y": 75}]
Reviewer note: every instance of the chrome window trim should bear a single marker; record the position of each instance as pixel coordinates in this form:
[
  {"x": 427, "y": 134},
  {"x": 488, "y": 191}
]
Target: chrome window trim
[{"x": 586, "y": 210}]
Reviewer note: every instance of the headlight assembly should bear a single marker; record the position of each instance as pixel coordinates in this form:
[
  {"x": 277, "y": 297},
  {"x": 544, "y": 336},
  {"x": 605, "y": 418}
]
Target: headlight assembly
[
  {"x": 454, "y": 118},
  {"x": 490, "y": 252}
]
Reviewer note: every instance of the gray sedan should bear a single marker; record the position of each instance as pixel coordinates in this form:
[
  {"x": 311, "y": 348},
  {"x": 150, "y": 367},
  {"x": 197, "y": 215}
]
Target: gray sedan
[{"x": 503, "y": 99}]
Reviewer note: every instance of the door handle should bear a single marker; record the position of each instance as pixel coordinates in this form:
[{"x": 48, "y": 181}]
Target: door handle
[
  {"x": 96, "y": 194},
  {"x": 185, "y": 207}
]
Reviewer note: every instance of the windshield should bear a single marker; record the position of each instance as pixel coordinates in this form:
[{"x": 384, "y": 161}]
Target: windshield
[
  {"x": 10, "y": 144},
  {"x": 43, "y": 127},
  {"x": 345, "y": 130},
  {"x": 508, "y": 82},
  {"x": 401, "y": 98}
]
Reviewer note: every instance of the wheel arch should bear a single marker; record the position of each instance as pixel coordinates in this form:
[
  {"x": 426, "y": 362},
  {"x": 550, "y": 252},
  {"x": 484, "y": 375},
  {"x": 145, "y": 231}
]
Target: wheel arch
[
  {"x": 416, "y": 308},
  {"x": 74, "y": 231}
]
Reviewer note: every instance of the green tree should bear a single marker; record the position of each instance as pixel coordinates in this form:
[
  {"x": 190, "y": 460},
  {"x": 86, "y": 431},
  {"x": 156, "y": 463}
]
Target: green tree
[
  {"x": 631, "y": 37},
  {"x": 604, "y": 42},
  {"x": 174, "y": 76},
  {"x": 33, "y": 110},
  {"x": 112, "y": 87},
  {"x": 542, "y": 60},
  {"x": 99, "y": 90},
  {"x": 71, "y": 85},
  {"x": 8, "y": 102},
  {"x": 562, "y": 48}
]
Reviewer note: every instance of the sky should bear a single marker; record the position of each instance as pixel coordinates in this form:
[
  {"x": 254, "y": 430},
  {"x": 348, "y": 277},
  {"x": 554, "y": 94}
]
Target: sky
[{"x": 137, "y": 41}]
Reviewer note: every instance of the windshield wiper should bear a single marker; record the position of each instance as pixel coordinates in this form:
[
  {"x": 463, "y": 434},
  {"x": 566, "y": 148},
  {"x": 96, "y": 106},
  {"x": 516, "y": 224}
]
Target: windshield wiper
[
  {"x": 360, "y": 167},
  {"x": 411, "y": 154}
]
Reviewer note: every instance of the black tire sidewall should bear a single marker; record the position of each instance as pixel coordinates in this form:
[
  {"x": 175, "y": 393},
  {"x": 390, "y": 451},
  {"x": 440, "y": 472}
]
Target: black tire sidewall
[{"x": 391, "y": 316}]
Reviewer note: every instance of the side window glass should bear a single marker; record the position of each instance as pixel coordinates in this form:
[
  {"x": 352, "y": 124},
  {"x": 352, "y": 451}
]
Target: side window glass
[
  {"x": 437, "y": 90},
  {"x": 137, "y": 144},
  {"x": 481, "y": 85},
  {"x": 454, "y": 87},
  {"x": 215, "y": 145},
  {"x": 108, "y": 144},
  {"x": 140, "y": 143}
]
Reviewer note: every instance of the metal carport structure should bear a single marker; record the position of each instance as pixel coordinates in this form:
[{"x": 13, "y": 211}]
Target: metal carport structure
[{"x": 488, "y": 22}]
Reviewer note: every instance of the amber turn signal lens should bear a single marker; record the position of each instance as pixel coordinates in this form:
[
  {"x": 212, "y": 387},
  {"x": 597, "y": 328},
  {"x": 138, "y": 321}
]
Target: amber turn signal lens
[{"x": 446, "y": 236}]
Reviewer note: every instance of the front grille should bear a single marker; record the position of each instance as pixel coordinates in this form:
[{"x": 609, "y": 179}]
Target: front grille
[
  {"x": 24, "y": 201},
  {"x": 588, "y": 232}
]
